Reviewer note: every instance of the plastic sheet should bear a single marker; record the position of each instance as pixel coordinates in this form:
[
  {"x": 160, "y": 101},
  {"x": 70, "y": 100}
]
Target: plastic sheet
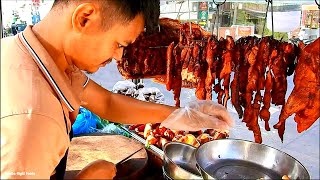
[
  {"x": 113, "y": 129},
  {"x": 127, "y": 88},
  {"x": 151, "y": 94},
  {"x": 198, "y": 115}
]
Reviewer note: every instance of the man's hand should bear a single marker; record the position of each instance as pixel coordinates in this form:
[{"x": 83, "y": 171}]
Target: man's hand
[
  {"x": 199, "y": 115},
  {"x": 77, "y": 80},
  {"x": 99, "y": 169}
]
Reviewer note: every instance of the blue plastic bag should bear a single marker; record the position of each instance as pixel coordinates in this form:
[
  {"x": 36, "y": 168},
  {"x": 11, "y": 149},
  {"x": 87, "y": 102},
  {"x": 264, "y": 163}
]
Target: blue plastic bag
[{"x": 86, "y": 122}]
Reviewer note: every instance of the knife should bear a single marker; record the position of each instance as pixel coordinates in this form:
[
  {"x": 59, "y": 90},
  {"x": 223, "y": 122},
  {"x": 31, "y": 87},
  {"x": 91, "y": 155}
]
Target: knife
[{"x": 125, "y": 159}]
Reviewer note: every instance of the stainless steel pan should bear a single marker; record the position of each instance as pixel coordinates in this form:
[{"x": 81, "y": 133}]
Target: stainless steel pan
[
  {"x": 179, "y": 161},
  {"x": 240, "y": 159}
]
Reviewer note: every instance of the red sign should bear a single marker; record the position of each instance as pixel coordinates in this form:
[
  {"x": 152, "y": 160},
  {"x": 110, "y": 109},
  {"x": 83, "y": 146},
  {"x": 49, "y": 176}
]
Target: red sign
[
  {"x": 36, "y": 2},
  {"x": 203, "y": 6},
  {"x": 310, "y": 18},
  {"x": 227, "y": 31},
  {"x": 245, "y": 31}
]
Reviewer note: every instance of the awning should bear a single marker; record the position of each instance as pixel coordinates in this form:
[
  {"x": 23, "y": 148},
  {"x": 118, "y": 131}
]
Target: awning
[{"x": 284, "y": 21}]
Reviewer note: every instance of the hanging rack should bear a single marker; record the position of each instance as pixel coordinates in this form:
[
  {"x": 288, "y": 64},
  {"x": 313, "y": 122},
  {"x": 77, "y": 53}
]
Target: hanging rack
[
  {"x": 317, "y": 4},
  {"x": 179, "y": 9},
  {"x": 1, "y": 25},
  {"x": 217, "y": 17},
  {"x": 265, "y": 18},
  {"x": 271, "y": 2},
  {"x": 189, "y": 17}
]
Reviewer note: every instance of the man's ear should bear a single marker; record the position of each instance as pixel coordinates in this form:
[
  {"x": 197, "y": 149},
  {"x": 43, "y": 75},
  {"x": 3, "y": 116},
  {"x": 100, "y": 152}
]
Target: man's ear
[{"x": 84, "y": 15}]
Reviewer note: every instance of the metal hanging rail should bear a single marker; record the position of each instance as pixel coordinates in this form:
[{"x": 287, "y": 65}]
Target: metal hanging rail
[
  {"x": 189, "y": 17},
  {"x": 179, "y": 10},
  {"x": 1, "y": 25},
  {"x": 265, "y": 18},
  {"x": 217, "y": 17},
  {"x": 271, "y": 2},
  {"x": 317, "y": 4}
]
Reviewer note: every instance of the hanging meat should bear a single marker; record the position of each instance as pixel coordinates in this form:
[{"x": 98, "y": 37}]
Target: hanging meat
[
  {"x": 254, "y": 69},
  {"x": 170, "y": 65},
  {"x": 177, "y": 80},
  {"x": 200, "y": 71},
  {"x": 304, "y": 100},
  {"x": 211, "y": 54},
  {"x": 235, "y": 84},
  {"x": 227, "y": 59},
  {"x": 264, "y": 113},
  {"x": 257, "y": 58},
  {"x": 145, "y": 58}
]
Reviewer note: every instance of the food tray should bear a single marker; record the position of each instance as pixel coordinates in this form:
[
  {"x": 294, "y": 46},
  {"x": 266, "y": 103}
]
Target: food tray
[{"x": 155, "y": 150}]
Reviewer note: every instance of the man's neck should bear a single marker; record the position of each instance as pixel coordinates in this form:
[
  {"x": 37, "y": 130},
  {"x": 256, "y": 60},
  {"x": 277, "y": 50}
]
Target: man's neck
[{"x": 51, "y": 37}]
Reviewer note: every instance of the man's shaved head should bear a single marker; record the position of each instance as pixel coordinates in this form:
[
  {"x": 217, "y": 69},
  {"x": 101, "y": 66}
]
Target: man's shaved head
[
  {"x": 121, "y": 10},
  {"x": 96, "y": 31}
]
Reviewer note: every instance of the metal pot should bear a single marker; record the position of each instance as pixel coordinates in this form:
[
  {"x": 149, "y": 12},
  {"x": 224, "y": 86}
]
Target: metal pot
[
  {"x": 240, "y": 159},
  {"x": 179, "y": 161}
]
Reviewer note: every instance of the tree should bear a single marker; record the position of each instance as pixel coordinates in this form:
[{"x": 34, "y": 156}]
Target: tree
[{"x": 277, "y": 35}]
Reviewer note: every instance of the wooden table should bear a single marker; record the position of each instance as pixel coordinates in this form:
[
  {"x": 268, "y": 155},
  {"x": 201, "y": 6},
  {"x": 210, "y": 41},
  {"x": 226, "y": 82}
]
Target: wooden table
[{"x": 112, "y": 148}]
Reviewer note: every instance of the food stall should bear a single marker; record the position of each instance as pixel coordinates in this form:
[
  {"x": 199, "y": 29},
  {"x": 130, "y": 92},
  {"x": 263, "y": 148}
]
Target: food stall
[
  {"x": 155, "y": 57},
  {"x": 250, "y": 71},
  {"x": 245, "y": 67}
]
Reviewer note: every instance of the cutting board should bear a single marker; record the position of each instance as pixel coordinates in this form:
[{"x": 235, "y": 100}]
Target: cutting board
[{"x": 112, "y": 148}]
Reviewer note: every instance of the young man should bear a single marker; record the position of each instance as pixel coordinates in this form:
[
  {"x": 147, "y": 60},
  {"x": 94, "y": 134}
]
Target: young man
[{"x": 42, "y": 87}]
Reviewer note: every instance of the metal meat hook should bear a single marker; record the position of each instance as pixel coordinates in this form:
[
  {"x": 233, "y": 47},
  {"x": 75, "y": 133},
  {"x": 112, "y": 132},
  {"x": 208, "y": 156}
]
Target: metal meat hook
[
  {"x": 218, "y": 4},
  {"x": 217, "y": 16},
  {"x": 265, "y": 19},
  {"x": 317, "y": 4}
]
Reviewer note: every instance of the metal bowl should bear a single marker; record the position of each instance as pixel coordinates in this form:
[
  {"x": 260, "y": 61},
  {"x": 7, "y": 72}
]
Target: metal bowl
[
  {"x": 165, "y": 174},
  {"x": 179, "y": 161},
  {"x": 240, "y": 159}
]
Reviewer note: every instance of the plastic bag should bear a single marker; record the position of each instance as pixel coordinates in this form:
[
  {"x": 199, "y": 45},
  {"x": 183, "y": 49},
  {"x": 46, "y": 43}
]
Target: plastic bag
[
  {"x": 127, "y": 88},
  {"x": 151, "y": 94},
  {"x": 198, "y": 115},
  {"x": 101, "y": 123},
  {"x": 86, "y": 122},
  {"x": 113, "y": 129}
]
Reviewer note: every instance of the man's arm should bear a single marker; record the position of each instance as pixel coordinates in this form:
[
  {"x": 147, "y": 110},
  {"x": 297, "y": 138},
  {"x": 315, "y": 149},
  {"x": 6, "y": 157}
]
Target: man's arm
[{"x": 122, "y": 109}]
